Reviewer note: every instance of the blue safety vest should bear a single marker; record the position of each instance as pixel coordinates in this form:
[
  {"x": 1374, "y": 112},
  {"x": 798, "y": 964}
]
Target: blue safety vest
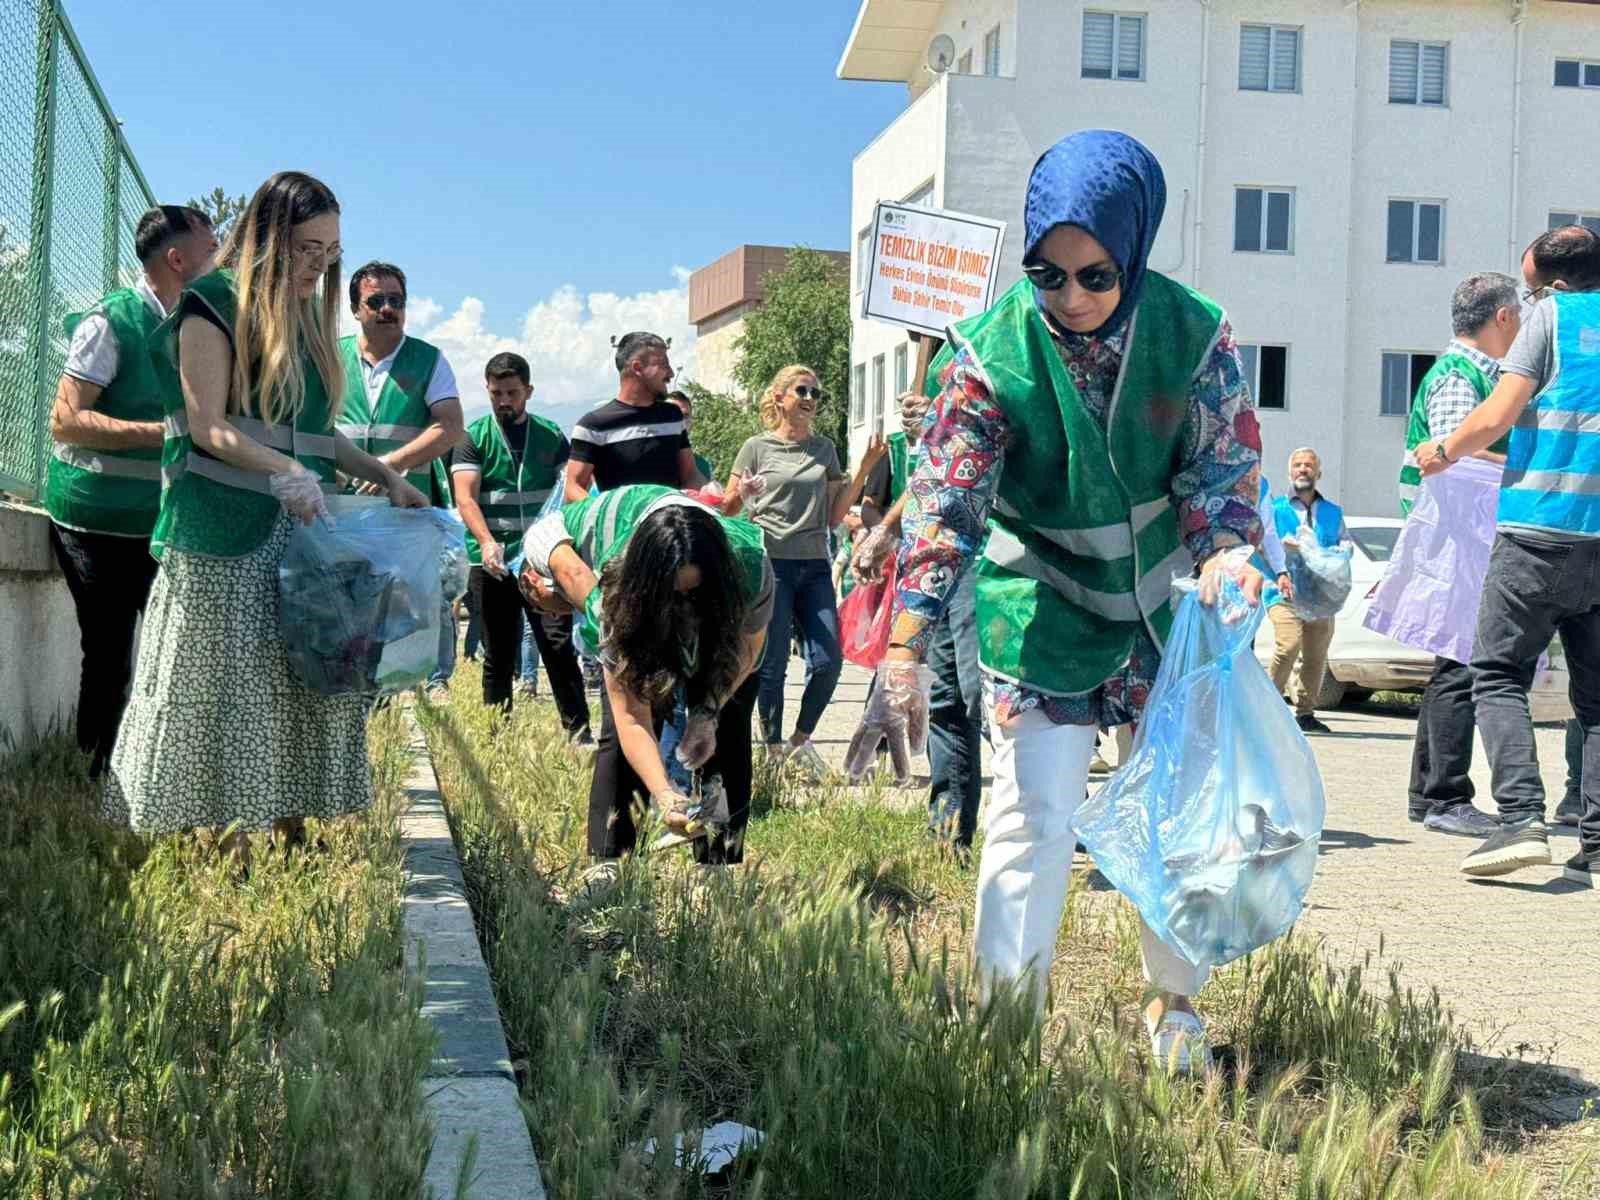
[
  {"x": 1270, "y": 594},
  {"x": 1552, "y": 476},
  {"x": 1329, "y": 519}
]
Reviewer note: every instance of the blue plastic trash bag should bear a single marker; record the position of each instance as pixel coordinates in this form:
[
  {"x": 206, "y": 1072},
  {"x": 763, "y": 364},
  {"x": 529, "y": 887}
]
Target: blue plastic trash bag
[
  {"x": 1212, "y": 827},
  {"x": 1320, "y": 574},
  {"x": 361, "y": 594}
]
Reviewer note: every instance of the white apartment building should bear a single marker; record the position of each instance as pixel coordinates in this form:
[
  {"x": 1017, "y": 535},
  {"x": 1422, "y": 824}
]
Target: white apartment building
[{"x": 1334, "y": 168}]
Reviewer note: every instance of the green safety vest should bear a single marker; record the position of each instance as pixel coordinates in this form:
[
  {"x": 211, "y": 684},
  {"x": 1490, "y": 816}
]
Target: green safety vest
[
  {"x": 1417, "y": 431},
  {"x": 114, "y": 491},
  {"x": 511, "y": 493},
  {"x": 706, "y": 469},
  {"x": 1083, "y": 537},
  {"x": 601, "y": 526},
  {"x": 899, "y": 465},
  {"x": 209, "y": 506},
  {"x": 401, "y": 414}
]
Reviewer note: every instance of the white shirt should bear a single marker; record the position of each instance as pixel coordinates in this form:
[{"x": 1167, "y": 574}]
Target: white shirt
[
  {"x": 441, "y": 387},
  {"x": 92, "y": 356},
  {"x": 1271, "y": 544}
]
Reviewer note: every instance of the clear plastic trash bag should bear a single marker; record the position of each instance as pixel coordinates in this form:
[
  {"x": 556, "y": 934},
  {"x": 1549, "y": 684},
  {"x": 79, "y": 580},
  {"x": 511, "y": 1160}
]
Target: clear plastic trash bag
[
  {"x": 361, "y": 595},
  {"x": 1320, "y": 574},
  {"x": 1212, "y": 826}
]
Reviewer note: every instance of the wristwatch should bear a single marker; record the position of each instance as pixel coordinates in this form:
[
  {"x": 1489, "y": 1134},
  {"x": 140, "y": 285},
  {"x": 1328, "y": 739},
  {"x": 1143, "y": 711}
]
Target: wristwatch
[{"x": 1439, "y": 454}]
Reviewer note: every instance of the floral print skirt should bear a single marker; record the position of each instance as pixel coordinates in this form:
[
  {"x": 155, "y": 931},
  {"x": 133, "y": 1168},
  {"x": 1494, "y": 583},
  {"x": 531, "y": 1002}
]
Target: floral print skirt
[{"x": 218, "y": 730}]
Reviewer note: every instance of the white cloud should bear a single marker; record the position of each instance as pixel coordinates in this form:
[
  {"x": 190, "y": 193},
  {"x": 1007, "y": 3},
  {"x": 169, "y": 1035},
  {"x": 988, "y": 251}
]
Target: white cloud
[{"x": 566, "y": 338}]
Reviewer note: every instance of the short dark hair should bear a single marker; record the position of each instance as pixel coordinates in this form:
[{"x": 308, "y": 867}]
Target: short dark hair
[
  {"x": 1477, "y": 298},
  {"x": 373, "y": 270},
  {"x": 163, "y": 225},
  {"x": 1570, "y": 253},
  {"x": 506, "y": 364},
  {"x": 631, "y": 345}
]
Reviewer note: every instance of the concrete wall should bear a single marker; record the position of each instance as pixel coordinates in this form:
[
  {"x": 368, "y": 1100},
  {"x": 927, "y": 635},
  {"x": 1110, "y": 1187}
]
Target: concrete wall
[
  {"x": 39, "y": 655},
  {"x": 714, "y": 356},
  {"x": 1500, "y": 157}
]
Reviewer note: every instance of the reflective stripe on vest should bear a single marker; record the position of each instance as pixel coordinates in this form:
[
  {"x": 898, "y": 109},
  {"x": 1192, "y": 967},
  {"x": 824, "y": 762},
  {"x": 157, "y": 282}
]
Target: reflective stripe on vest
[
  {"x": 104, "y": 463},
  {"x": 359, "y": 434},
  {"x": 1151, "y": 591},
  {"x": 282, "y": 438}
]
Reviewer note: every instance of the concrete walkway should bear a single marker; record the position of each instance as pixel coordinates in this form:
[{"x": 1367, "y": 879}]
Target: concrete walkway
[{"x": 1516, "y": 958}]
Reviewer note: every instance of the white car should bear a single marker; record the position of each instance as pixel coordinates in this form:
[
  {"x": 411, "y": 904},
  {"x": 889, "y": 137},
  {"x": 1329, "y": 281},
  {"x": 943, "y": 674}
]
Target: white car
[{"x": 1361, "y": 662}]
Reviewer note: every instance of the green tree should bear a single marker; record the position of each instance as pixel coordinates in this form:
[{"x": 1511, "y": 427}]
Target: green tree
[
  {"x": 804, "y": 318},
  {"x": 222, "y": 208},
  {"x": 722, "y": 424}
]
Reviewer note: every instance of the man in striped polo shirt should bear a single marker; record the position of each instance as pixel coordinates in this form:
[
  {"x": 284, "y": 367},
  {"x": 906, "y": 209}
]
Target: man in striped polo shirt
[{"x": 1544, "y": 570}]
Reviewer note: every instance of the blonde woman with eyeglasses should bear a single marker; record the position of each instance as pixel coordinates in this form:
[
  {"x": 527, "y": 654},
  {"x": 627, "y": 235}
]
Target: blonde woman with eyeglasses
[
  {"x": 790, "y": 479},
  {"x": 218, "y": 732}
]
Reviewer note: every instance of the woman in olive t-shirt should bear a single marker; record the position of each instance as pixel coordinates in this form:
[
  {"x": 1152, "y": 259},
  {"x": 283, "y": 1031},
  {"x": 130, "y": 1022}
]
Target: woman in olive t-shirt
[{"x": 790, "y": 480}]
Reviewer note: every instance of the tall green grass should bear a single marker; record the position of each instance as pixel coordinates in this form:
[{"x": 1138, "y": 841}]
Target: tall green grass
[
  {"x": 820, "y": 994},
  {"x": 167, "y": 1030}
]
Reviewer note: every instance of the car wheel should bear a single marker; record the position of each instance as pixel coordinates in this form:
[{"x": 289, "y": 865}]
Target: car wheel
[{"x": 1333, "y": 692}]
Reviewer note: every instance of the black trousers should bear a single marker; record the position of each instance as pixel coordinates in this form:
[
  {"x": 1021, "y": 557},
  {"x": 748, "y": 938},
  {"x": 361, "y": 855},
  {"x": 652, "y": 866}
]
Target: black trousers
[
  {"x": 500, "y": 603},
  {"x": 109, "y": 579},
  {"x": 616, "y": 789},
  {"x": 1441, "y": 761}
]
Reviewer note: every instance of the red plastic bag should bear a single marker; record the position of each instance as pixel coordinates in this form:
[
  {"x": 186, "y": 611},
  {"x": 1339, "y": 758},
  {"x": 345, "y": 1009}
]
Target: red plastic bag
[{"x": 864, "y": 620}]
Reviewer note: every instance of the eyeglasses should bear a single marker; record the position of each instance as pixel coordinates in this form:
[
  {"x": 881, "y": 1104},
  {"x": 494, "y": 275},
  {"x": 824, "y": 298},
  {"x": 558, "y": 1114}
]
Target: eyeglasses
[
  {"x": 315, "y": 254},
  {"x": 1048, "y": 277},
  {"x": 806, "y": 392},
  {"x": 1534, "y": 295},
  {"x": 378, "y": 300}
]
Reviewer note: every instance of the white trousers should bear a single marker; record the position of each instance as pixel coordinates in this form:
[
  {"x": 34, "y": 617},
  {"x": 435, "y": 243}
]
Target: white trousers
[{"x": 1040, "y": 772}]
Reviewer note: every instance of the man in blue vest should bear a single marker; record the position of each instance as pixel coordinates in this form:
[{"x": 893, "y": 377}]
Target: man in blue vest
[
  {"x": 1296, "y": 638},
  {"x": 103, "y": 485},
  {"x": 1544, "y": 570}
]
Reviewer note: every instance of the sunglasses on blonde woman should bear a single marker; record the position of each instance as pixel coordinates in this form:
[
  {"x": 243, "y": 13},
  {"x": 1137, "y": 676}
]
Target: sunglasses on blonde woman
[{"x": 806, "y": 392}]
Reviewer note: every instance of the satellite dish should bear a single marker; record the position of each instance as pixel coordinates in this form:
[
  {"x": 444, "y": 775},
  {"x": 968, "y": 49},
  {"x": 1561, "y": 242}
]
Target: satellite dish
[{"x": 941, "y": 54}]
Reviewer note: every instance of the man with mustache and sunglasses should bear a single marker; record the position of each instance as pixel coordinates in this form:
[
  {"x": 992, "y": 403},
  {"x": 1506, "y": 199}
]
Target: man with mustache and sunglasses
[{"x": 402, "y": 405}]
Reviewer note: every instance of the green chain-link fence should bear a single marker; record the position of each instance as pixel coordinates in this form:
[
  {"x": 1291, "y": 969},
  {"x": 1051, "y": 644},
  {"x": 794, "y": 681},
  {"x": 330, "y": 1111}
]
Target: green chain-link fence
[{"x": 70, "y": 196}]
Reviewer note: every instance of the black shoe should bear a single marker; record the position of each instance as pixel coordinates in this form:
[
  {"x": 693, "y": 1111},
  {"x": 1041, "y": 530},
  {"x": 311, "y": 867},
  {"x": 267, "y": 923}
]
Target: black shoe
[
  {"x": 1462, "y": 820},
  {"x": 1581, "y": 866},
  {"x": 1416, "y": 815},
  {"x": 1568, "y": 812},
  {"x": 1525, "y": 844},
  {"x": 1309, "y": 724}
]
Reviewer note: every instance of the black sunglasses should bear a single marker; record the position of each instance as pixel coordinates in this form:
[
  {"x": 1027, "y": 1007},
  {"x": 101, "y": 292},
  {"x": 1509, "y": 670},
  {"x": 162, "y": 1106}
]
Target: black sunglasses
[
  {"x": 806, "y": 392},
  {"x": 378, "y": 300},
  {"x": 1048, "y": 277}
]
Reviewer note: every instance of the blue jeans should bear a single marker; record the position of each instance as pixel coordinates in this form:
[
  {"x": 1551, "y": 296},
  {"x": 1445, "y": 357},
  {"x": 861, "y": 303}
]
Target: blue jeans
[
  {"x": 672, "y": 732},
  {"x": 447, "y": 649},
  {"x": 528, "y": 668},
  {"x": 802, "y": 595},
  {"x": 955, "y": 718}
]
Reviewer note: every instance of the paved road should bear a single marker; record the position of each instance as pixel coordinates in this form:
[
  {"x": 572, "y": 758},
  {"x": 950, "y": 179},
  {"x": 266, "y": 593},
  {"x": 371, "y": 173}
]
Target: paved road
[{"x": 1518, "y": 958}]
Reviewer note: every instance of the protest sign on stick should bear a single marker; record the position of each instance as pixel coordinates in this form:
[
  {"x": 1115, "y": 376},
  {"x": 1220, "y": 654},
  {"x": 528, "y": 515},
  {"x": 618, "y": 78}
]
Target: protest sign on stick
[{"x": 930, "y": 268}]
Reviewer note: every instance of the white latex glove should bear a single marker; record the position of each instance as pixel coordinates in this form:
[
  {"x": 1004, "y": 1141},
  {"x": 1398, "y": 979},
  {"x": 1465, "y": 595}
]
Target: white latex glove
[
  {"x": 713, "y": 489},
  {"x": 1231, "y": 565},
  {"x": 494, "y": 560},
  {"x": 898, "y": 712},
  {"x": 866, "y": 564},
  {"x": 699, "y": 741},
  {"x": 300, "y": 492},
  {"x": 751, "y": 485}
]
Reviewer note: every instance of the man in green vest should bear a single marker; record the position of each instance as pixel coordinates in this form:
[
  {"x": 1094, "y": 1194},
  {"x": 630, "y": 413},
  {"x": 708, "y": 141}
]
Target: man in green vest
[
  {"x": 401, "y": 405},
  {"x": 1485, "y": 316},
  {"x": 503, "y": 474},
  {"x": 103, "y": 482}
]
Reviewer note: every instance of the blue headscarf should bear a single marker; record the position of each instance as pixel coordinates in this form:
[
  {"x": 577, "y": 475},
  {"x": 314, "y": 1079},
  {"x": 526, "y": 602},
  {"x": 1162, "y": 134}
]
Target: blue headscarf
[{"x": 1112, "y": 187}]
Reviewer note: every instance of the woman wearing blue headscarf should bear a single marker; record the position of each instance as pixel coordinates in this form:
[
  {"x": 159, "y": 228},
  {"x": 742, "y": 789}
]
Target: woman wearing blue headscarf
[{"x": 1095, "y": 426}]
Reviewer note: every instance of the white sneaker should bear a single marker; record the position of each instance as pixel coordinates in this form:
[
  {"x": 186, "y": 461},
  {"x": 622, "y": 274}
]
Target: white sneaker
[
  {"x": 1178, "y": 1043},
  {"x": 808, "y": 761}
]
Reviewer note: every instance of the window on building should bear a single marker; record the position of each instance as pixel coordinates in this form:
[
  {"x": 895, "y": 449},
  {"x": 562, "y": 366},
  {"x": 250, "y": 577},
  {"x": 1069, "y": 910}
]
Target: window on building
[
  {"x": 991, "y": 51},
  {"x": 863, "y": 253},
  {"x": 964, "y": 64},
  {"x": 879, "y": 386},
  {"x": 923, "y": 195},
  {"x": 1574, "y": 73},
  {"x": 1418, "y": 72},
  {"x": 1266, "y": 370},
  {"x": 902, "y": 369},
  {"x": 1113, "y": 46},
  {"x": 1416, "y": 231},
  {"x": 858, "y": 394},
  {"x": 1269, "y": 58},
  {"x": 1589, "y": 220},
  {"x": 1402, "y": 375},
  {"x": 1263, "y": 220}
]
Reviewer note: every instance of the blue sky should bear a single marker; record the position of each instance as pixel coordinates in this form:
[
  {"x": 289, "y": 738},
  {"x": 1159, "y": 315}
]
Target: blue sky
[{"x": 538, "y": 169}]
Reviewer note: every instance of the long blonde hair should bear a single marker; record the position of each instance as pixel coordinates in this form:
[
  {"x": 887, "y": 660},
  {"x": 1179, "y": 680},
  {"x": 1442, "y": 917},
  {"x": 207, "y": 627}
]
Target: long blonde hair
[
  {"x": 772, "y": 398},
  {"x": 274, "y": 326}
]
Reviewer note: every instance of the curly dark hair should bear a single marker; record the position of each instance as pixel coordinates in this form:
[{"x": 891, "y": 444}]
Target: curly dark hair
[{"x": 658, "y": 637}]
